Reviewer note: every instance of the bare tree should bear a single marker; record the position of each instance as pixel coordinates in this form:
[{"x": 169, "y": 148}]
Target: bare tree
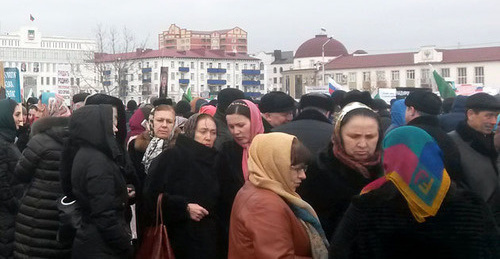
[{"x": 111, "y": 70}]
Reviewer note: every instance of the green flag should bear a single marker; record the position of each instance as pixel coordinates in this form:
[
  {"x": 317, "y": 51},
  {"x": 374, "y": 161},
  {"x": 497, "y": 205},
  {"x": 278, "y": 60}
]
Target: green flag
[
  {"x": 187, "y": 95},
  {"x": 444, "y": 87}
]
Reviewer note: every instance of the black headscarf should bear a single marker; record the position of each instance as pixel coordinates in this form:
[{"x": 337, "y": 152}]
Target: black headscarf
[{"x": 7, "y": 123}]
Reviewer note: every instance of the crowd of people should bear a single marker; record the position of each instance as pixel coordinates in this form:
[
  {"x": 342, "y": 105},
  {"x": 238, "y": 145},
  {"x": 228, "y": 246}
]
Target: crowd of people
[{"x": 340, "y": 176}]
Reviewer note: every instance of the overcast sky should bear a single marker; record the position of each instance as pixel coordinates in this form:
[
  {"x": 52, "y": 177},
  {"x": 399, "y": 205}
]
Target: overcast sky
[{"x": 374, "y": 26}]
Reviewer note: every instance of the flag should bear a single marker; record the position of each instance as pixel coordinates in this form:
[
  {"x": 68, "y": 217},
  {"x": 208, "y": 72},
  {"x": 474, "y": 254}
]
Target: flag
[
  {"x": 32, "y": 18},
  {"x": 186, "y": 96},
  {"x": 333, "y": 86},
  {"x": 444, "y": 88}
]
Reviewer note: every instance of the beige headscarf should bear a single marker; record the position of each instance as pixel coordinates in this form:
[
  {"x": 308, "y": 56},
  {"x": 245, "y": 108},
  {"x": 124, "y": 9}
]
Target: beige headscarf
[{"x": 269, "y": 168}]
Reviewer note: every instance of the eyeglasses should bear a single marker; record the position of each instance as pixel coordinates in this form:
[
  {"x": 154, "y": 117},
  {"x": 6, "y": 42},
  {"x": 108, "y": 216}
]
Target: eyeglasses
[{"x": 298, "y": 168}]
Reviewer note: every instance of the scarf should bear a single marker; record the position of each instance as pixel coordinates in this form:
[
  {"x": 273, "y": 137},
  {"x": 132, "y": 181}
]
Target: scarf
[
  {"x": 256, "y": 127},
  {"x": 7, "y": 124},
  {"x": 413, "y": 162},
  {"x": 269, "y": 168},
  {"x": 57, "y": 108},
  {"x": 339, "y": 151}
]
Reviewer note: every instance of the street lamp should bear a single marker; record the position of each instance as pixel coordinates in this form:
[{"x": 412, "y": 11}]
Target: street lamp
[{"x": 323, "y": 58}]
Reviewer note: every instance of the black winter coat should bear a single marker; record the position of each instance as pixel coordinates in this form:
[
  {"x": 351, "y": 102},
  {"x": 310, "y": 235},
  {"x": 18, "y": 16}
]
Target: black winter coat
[
  {"x": 379, "y": 224},
  {"x": 311, "y": 127},
  {"x": 449, "y": 121},
  {"x": 185, "y": 174},
  {"x": 230, "y": 177},
  {"x": 329, "y": 187},
  {"x": 38, "y": 220},
  {"x": 98, "y": 184},
  {"x": 10, "y": 193}
]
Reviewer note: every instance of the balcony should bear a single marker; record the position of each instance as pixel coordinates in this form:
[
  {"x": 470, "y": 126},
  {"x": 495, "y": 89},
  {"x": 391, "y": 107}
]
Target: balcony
[
  {"x": 184, "y": 69},
  {"x": 250, "y": 72},
  {"x": 394, "y": 83},
  {"x": 183, "y": 81},
  {"x": 250, "y": 82},
  {"x": 216, "y": 82},
  {"x": 146, "y": 70},
  {"x": 216, "y": 70}
]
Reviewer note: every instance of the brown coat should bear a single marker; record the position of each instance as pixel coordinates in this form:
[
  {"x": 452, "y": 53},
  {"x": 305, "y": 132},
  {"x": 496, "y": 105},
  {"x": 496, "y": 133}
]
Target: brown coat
[{"x": 264, "y": 226}]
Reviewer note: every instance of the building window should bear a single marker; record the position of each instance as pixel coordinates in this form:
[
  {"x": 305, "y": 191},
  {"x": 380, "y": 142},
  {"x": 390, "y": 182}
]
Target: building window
[
  {"x": 210, "y": 65},
  {"x": 395, "y": 75},
  {"x": 228, "y": 66},
  {"x": 172, "y": 75},
  {"x": 53, "y": 80},
  {"x": 445, "y": 72},
  {"x": 352, "y": 77},
  {"x": 156, "y": 76},
  {"x": 380, "y": 76},
  {"x": 479, "y": 75},
  {"x": 236, "y": 67},
  {"x": 366, "y": 77},
  {"x": 311, "y": 63},
  {"x": 139, "y": 65},
  {"x": 261, "y": 66},
  {"x": 41, "y": 80},
  {"x": 147, "y": 64},
  {"x": 192, "y": 76},
  {"x": 275, "y": 70},
  {"x": 410, "y": 74},
  {"x": 192, "y": 65},
  {"x": 275, "y": 80},
  {"x": 172, "y": 65},
  {"x": 156, "y": 64},
  {"x": 281, "y": 70},
  {"x": 245, "y": 66},
  {"x": 462, "y": 75},
  {"x": 281, "y": 80},
  {"x": 219, "y": 65},
  {"x": 339, "y": 77},
  {"x": 181, "y": 63},
  {"x": 202, "y": 76}
]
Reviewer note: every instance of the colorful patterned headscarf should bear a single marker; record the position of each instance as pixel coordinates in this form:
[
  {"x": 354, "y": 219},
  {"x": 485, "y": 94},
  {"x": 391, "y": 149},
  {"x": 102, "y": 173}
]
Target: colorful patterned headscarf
[{"x": 413, "y": 162}]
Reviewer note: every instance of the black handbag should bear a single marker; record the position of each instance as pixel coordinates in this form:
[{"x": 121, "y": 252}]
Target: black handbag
[{"x": 70, "y": 219}]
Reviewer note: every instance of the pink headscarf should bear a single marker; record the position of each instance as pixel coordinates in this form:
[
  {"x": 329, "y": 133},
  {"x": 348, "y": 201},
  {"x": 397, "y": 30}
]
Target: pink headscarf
[
  {"x": 256, "y": 127},
  {"x": 208, "y": 109}
]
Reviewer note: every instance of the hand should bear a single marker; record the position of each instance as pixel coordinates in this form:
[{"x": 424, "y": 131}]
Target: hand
[{"x": 196, "y": 212}]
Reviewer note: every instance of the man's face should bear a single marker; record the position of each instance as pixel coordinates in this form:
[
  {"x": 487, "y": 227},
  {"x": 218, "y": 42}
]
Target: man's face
[
  {"x": 482, "y": 121},
  {"x": 278, "y": 118}
]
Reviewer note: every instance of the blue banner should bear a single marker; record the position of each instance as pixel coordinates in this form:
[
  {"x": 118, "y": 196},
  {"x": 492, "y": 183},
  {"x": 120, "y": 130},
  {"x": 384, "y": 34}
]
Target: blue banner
[{"x": 12, "y": 84}]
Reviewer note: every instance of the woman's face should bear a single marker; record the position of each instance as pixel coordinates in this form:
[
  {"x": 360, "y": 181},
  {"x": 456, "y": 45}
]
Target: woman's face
[
  {"x": 18, "y": 116},
  {"x": 163, "y": 123},
  {"x": 31, "y": 116},
  {"x": 360, "y": 136},
  {"x": 206, "y": 132},
  {"x": 239, "y": 126},
  {"x": 298, "y": 173}
]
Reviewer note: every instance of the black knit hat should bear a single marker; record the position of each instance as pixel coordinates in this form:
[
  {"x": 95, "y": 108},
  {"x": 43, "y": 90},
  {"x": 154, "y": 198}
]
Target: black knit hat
[
  {"x": 80, "y": 97},
  {"x": 227, "y": 96},
  {"x": 424, "y": 101},
  {"x": 317, "y": 100},
  {"x": 482, "y": 101},
  {"x": 357, "y": 96},
  {"x": 276, "y": 102}
]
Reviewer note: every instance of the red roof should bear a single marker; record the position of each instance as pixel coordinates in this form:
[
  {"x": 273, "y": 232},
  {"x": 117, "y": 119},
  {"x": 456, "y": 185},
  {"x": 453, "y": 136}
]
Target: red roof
[
  {"x": 171, "y": 53},
  {"x": 313, "y": 48},
  {"x": 406, "y": 59}
]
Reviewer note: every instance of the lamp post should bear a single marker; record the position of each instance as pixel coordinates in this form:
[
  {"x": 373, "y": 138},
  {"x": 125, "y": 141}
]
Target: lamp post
[{"x": 323, "y": 58}]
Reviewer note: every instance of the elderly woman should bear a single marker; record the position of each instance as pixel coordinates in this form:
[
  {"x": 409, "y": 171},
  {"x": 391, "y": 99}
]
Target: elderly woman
[
  {"x": 350, "y": 161},
  {"x": 415, "y": 205},
  {"x": 186, "y": 176},
  {"x": 269, "y": 219}
]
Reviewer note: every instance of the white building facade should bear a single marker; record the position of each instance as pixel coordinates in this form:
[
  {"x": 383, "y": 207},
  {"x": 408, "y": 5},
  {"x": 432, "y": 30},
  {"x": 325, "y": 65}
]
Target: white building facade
[
  {"x": 477, "y": 67},
  {"x": 206, "y": 72},
  {"x": 38, "y": 59}
]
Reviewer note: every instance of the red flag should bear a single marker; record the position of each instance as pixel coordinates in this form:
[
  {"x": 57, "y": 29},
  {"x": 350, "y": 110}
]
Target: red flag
[{"x": 32, "y": 18}]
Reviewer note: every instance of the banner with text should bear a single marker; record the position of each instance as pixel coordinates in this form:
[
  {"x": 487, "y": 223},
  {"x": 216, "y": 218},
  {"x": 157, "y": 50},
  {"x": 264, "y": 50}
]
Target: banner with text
[
  {"x": 12, "y": 84},
  {"x": 63, "y": 83}
]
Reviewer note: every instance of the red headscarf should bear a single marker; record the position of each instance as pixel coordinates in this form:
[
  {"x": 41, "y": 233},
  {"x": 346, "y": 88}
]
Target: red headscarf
[{"x": 256, "y": 127}]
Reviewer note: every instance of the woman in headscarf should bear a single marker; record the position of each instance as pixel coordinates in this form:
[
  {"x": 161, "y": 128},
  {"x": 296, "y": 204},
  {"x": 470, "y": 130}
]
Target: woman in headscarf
[
  {"x": 414, "y": 210},
  {"x": 269, "y": 219},
  {"x": 186, "y": 177},
  {"x": 98, "y": 184},
  {"x": 244, "y": 122},
  {"x": 38, "y": 169},
  {"x": 349, "y": 162},
  {"x": 11, "y": 118}
]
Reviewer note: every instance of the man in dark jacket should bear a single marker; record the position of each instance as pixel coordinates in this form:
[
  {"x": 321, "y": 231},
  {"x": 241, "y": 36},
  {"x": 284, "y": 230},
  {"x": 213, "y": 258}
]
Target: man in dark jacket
[
  {"x": 422, "y": 110},
  {"x": 474, "y": 138},
  {"x": 449, "y": 121},
  {"x": 277, "y": 109},
  {"x": 381, "y": 108},
  {"x": 225, "y": 98},
  {"x": 312, "y": 126}
]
